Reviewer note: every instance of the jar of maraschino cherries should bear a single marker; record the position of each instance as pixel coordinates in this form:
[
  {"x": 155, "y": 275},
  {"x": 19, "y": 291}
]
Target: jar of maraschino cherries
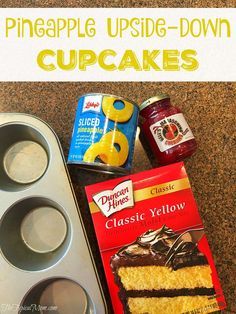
[{"x": 166, "y": 130}]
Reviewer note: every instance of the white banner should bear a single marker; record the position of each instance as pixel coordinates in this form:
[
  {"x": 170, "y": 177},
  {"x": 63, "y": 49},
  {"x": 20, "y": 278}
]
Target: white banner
[{"x": 73, "y": 44}]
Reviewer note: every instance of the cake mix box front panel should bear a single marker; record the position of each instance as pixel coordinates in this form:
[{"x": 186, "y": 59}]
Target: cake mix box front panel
[{"x": 151, "y": 238}]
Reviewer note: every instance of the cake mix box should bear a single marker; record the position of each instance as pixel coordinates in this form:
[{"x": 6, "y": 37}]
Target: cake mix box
[{"x": 155, "y": 253}]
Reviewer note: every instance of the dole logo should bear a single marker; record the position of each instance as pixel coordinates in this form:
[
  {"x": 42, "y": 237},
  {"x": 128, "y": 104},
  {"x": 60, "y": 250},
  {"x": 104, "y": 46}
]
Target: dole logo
[
  {"x": 111, "y": 201},
  {"x": 92, "y": 103}
]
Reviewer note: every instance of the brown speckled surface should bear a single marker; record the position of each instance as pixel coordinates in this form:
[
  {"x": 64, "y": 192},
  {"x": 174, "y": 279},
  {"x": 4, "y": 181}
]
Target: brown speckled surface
[
  {"x": 119, "y": 3},
  {"x": 210, "y": 109}
]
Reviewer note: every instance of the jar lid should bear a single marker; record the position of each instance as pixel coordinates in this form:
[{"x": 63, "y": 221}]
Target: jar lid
[{"x": 153, "y": 99}]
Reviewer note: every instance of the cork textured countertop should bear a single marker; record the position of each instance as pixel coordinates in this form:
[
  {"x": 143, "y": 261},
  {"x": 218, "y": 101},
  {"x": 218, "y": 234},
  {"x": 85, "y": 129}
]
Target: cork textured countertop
[
  {"x": 210, "y": 110},
  {"x": 119, "y": 3}
]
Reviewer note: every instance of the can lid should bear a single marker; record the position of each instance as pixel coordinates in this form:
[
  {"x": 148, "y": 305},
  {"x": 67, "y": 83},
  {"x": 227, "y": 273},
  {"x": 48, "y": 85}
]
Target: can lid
[{"x": 152, "y": 100}]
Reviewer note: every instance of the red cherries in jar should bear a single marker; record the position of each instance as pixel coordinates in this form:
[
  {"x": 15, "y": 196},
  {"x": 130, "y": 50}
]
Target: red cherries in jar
[{"x": 166, "y": 130}]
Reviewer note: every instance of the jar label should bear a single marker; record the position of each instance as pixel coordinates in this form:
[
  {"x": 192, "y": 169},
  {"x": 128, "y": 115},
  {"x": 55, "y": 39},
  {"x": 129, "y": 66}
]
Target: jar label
[{"x": 171, "y": 131}]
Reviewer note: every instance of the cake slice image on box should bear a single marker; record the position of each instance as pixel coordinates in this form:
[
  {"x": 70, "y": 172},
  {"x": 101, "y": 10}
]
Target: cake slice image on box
[{"x": 164, "y": 272}]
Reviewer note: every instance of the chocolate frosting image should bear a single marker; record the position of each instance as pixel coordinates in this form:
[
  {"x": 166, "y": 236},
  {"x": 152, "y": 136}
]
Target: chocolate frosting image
[{"x": 161, "y": 247}]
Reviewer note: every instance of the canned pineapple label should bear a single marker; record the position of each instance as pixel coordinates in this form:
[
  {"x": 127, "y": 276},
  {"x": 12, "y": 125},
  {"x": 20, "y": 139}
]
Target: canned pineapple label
[{"x": 104, "y": 132}]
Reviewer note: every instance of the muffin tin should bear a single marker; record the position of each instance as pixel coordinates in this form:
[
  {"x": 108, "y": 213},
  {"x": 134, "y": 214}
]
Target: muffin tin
[{"x": 46, "y": 262}]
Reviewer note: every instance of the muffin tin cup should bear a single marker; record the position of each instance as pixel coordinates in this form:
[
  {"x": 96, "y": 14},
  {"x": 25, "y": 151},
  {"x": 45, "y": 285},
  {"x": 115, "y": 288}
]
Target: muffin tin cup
[
  {"x": 57, "y": 295},
  {"x": 42, "y": 238},
  {"x": 17, "y": 226},
  {"x": 24, "y": 156}
]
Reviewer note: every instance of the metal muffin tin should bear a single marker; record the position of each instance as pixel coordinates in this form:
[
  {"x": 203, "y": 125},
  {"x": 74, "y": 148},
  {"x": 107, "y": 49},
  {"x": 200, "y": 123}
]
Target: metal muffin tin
[{"x": 46, "y": 262}]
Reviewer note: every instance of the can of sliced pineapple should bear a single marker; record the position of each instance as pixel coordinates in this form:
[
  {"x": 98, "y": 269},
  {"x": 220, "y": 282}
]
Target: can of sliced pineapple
[{"x": 104, "y": 133}]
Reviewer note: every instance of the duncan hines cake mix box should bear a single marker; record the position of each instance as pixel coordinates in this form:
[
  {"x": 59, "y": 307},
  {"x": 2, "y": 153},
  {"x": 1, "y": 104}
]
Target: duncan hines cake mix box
[{"x": 155, "y": 254}]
